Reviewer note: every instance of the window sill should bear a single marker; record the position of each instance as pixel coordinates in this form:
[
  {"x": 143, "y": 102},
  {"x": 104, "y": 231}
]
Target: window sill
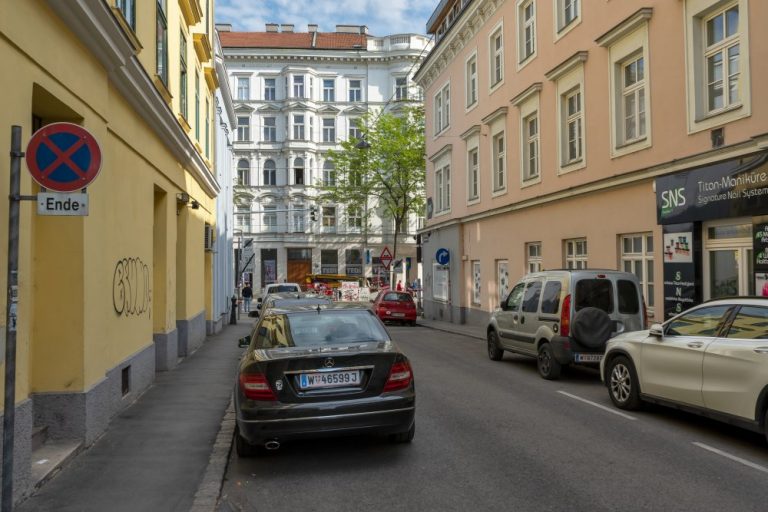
[
  {"x": 129, "y": 31},
  {"x": 163, "y": 89},
  {"x": 527, "y": 60},
  {"x": 183, "y": 122},
  {"x": 716, "y": 113},
  {"x": 631, "y": 143},
  {"x": 531, "y": 181},
  {"x": 499, "y": 192},
  {"x": 473, "y": 201},
  {"x": 495, "y": 86},
  {"x": 562, "y": 31},
  {"x": 442, "y": 213},
  {"x": 574, "y": 165}
]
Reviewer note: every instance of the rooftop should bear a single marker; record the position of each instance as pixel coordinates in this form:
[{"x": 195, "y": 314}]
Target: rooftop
[{"x": 294, "y": 40}]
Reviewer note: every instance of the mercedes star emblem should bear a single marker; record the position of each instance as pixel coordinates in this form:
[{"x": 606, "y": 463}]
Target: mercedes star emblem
[{"x": 328, "y": 363}]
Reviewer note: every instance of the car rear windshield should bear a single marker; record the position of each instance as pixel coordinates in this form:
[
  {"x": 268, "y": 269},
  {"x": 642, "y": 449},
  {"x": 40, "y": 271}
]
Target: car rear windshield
[
  {"x": 628, "y": 301},
  {"x": 312, "y": 328},
  {"x": 284, "y": 288},
  {"x": 399, "y": 297},
  {"x": 594, "y": 293}
]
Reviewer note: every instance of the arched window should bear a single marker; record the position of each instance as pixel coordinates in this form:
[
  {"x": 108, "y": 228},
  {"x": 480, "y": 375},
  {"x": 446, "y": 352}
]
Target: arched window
[
  {"x": 243, "y": 172},
  {"x": 298, "y": 171},
  {"x": 270, "y": 171},
  {"x": 329, "y": 174}
]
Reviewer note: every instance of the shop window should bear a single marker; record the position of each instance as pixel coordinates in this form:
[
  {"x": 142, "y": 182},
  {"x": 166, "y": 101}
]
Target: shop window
[{"x": 637, "y": 258}]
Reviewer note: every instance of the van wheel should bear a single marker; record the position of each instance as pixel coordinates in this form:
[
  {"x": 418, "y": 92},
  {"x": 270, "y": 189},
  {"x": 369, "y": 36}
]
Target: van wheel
[
  {"x": 495, "y": 353},
  {"x": 548, "y": 366},
  {"x": 623, "y": 386}
]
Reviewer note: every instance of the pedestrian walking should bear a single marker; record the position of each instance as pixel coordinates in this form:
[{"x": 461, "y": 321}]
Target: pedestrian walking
[
  {"x": 247, "y": 294},
  {"x": 399, "y": 287}
]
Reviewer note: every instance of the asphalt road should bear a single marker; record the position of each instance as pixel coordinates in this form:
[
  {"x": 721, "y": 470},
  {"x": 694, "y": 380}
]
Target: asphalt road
[{"x": 495, "y": 436}]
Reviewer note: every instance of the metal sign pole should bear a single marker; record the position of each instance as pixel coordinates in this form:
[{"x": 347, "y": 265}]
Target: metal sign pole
[{"x": 9, "y": 410}]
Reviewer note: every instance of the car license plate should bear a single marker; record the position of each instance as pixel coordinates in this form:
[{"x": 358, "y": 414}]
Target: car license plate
[
  {"x": 329, "y": 379},
  {"x": 398, "y": 315},
  {"x": 588, "y": 358}
]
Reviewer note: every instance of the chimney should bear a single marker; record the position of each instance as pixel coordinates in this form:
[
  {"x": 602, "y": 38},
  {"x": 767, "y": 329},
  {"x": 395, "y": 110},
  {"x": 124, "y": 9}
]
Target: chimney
[
  {"x": 224, "y": 27},
  {"x": 286, "y": 27},
  {"x": 311, "y": 28},
  {"x": 272, "y": 27}
]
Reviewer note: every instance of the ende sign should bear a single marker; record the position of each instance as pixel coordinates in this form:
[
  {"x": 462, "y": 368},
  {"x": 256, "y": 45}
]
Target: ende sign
[{"x": 728, "y": 189}]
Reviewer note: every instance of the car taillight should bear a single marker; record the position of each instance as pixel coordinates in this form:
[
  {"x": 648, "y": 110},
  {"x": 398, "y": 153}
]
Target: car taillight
[
  {"x": 255, "y": 387},
  {"x": 565, "y": 317},
  {"x": 400, "y": 377}
]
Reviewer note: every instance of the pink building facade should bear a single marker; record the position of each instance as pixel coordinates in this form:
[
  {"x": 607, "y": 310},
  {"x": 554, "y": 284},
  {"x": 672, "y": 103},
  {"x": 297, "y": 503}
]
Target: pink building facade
[{"x": 615, "y": 134}]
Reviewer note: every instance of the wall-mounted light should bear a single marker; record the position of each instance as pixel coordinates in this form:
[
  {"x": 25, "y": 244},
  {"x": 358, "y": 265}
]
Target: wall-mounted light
[
  {"x": 182, "y": 198},
  {"x": 195, "y": 205}
]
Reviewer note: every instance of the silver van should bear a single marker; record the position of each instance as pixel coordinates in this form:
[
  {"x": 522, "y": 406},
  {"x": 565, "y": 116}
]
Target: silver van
[{"x": 566, "y": 316}]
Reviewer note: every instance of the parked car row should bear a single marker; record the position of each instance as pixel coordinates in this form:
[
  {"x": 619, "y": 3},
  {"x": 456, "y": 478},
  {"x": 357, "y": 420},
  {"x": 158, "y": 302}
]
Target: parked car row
[{"x": 711, "y": 359}]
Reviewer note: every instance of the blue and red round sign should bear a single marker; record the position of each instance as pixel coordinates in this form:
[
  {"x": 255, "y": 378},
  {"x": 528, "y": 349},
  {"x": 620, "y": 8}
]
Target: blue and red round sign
[{"x": 63, "y": 157}]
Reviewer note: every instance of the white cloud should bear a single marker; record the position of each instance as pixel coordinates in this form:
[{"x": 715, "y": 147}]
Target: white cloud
[{"x": 383, "y": 17}]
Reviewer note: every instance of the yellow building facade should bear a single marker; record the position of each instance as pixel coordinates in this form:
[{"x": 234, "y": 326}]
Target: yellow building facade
[{"x": 109, "y": 299}]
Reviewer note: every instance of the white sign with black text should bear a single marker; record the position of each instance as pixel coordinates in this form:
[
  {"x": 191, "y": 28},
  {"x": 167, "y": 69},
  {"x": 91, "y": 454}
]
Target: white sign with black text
[{"x": 62, "y": 203}]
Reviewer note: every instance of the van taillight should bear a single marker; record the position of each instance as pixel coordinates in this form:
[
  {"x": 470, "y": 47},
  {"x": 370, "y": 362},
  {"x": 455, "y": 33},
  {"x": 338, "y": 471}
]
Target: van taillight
[{"x": 565, "y": 317}]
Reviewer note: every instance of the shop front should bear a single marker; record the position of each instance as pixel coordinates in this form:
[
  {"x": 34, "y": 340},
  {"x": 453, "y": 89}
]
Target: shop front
[{"x": 715, "y": 225}]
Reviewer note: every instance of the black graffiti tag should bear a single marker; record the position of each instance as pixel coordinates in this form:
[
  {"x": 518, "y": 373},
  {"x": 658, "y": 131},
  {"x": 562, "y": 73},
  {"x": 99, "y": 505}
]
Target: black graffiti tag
[{"x": 131, "y": 293}]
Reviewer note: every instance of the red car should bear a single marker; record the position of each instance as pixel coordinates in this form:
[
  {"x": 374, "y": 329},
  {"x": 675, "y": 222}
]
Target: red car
[{"x": 395, "y": 307}]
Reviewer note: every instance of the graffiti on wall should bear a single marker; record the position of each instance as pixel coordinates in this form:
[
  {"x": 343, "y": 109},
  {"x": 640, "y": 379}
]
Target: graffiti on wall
[{"x": 131, "y": 292}]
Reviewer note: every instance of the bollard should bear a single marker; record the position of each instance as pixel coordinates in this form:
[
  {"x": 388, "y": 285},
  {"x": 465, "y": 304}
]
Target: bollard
[{"x": 233, "y": 311}]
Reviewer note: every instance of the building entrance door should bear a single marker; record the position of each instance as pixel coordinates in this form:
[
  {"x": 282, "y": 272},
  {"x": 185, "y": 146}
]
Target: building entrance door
[
  {"x": 728, "y": 261},
  {"x": 299, "y": 264}
]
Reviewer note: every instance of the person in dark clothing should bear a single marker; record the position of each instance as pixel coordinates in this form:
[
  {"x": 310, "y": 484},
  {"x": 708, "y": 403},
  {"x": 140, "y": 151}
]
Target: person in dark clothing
[{"x": 247, "y": 294}]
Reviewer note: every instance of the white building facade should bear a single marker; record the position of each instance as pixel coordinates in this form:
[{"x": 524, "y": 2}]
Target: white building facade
[{"x": 296, "y": 96}]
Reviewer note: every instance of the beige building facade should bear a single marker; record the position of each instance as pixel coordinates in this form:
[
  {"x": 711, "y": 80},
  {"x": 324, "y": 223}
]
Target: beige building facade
[{"x": 563, "y": 134}]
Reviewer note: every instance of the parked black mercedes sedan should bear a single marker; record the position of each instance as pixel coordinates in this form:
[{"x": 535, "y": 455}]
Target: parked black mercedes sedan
[{"x": 321, "y": 370}]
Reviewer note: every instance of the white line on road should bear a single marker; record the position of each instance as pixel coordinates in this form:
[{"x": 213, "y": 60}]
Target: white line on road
[
  {"x": 614, "y": 411},
  {"x": 732, "y": 457}
]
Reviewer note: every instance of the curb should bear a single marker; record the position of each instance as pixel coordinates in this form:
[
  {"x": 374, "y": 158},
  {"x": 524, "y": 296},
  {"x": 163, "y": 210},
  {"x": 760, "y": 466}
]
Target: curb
[
  {"x": 207, "y": 495},
  {"x": 445, "y": 329}
]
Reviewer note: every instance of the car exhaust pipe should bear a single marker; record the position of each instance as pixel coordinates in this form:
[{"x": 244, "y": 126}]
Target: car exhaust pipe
[{"x": 272, "y": 445}]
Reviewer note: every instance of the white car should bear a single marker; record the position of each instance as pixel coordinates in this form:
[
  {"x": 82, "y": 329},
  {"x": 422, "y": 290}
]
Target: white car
[{"x": 711, "y": 359}]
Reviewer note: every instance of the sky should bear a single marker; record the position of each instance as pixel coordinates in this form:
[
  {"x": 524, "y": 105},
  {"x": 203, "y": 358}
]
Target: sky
[{"x": 383, "y": 17}]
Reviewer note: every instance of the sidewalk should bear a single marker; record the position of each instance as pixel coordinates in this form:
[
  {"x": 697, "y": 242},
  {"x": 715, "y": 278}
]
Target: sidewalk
[
  {"x": 473, "y": 331},
  {"x": 154, "y": 455}
]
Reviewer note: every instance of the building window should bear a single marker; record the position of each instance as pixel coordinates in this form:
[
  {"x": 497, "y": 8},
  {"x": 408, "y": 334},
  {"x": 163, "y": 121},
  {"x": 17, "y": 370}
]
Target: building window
[
  {"x": 298, "y": 86},
  {"x": 207, "y": 127},
  {"x": 270, "y": 129},
  {"x": 721, "y": 55},
  {"x": 476, "y": 282},
  {"x": 473, "y": 174},
  {"x": 329, "y": 261},
  {"x": 502, "y": 279},
  {"x": 499, "y": 167},
  {"x": 572, "y": 127},
  {"x": 329, "y": 174},
  {"x": 533, "y": 261},
  {"x": 298, "y": 126},
  {"x": 531, "y": 147},
  {"x": 270, "y": 87},
  {"x": 243, "y": 88},
  {"x": 270, "y": 219},
  {"x": 401, "y": 88},
  {"x": 183, "y": 75},
  {"x": 243, "y": 128},
  {"x": 329, "y": 216},
  {"x": 637, "y": 258},
  {"x": 299, "y": 216},
  {"x": 497, "y": 57},
  {"x": 128, "y": 9},
  {"x": 298, "y": 171},
  {"x": 329, "y": 129},
  {"x": 355, "y": 90},
  {"x": 471, "y": 73},
  {"x": 244, "y": 218},
  {"x": 443, "y": 108},
  {"x": 243, "y": 172},
  {"x": 329, "y": 90},
  {"x": 354, "y": 129},
  {"x": 526, "y": 29},
  {"x": 576, "y": 253},
  {"x": 633, "y": 99},
  {"x": 161, "y": 42},
  {"x": 270, "y": 173},
  {"x": 197, "y": 106},
  {"x": 354, "y": 217},
  {"x": 568, "y": 11},
  {"x": 443, "y": 189}
]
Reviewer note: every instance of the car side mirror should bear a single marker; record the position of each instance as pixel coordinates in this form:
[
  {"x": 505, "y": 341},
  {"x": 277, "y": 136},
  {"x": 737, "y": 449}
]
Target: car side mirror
[
  {"x": 244, "y": 341},
  {"x": 503, "y": 306},
  {"x": 656, "y": 330}
]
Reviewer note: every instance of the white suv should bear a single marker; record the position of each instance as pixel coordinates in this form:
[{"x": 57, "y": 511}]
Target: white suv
[{"x": 711, "y": 359}]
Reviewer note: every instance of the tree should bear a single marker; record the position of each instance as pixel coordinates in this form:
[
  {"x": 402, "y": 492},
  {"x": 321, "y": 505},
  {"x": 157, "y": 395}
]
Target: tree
[{"x": 385, "y": 167}]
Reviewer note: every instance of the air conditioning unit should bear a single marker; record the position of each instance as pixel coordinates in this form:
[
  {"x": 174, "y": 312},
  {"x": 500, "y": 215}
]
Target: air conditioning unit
[{"x": 208, "y": 239}]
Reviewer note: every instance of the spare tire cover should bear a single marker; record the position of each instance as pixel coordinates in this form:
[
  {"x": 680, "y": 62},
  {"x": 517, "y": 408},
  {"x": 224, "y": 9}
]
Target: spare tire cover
[{"x": 591, "y": 327}]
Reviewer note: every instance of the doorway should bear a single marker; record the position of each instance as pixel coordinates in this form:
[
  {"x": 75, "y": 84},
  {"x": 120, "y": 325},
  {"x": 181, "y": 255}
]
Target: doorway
[{"x": 728, "y": 259}]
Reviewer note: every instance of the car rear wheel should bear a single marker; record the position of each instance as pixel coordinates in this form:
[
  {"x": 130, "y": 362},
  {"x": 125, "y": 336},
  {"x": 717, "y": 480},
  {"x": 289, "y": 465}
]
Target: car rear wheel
[
  {"x": 404, "y": 437},
  {"x": 494, "y": 351},
  {"x": 548, "y": 366},
  {"x": 243, "y": 448},
  {"x": 623, "y": 386}
]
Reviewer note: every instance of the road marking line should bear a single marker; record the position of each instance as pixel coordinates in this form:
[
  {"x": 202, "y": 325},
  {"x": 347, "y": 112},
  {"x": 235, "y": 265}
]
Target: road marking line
[
  {"x": 614, "y": 411},
  {"x": 732, "y": 457}
]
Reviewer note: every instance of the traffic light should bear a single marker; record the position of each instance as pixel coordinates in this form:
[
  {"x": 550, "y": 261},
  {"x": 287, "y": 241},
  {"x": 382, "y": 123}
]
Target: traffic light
[{"x": 313, "y": 213}]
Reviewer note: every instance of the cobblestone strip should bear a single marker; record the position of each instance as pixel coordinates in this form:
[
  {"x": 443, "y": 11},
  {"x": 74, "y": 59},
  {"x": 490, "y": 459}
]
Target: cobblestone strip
[{"x": 207, "y": 495}]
